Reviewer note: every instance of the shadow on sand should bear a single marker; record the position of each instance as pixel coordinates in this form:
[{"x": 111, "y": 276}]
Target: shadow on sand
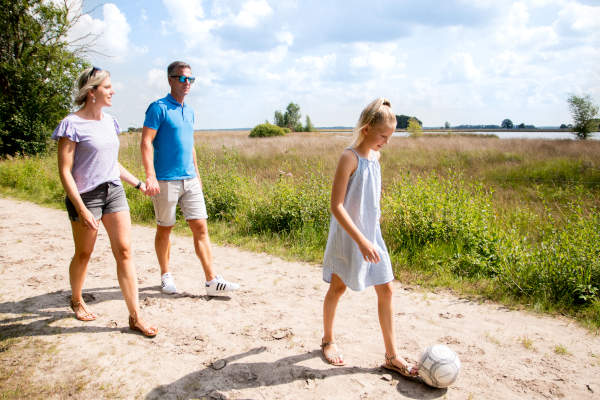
[
  {"x": 36, "y": 315},
  {"x": 211, "y": 383}
]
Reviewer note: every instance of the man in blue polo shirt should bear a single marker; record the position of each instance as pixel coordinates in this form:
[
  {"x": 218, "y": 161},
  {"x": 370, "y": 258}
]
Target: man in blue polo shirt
[{"x": 172, "y": 178}]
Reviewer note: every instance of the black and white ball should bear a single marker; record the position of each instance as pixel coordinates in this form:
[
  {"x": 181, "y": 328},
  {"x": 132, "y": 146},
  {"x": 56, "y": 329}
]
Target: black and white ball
[{"x": 439, "y": 366}]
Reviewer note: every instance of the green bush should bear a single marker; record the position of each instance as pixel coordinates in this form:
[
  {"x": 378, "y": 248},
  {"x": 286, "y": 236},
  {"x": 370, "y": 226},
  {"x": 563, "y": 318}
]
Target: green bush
[
  {"x": 266, "y": 130},
  {"x": 288, "y": 206},
  {"x": 432, "y": 214}
]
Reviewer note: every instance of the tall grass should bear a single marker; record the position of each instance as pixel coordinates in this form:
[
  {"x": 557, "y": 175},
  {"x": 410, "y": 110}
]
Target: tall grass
[{"x": 514, "y": 220}]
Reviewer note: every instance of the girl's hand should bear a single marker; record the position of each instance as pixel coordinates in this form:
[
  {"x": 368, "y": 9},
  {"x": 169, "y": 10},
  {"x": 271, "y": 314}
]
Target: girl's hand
[
  {"x": 369, "y": 252},
  {"x": 88, "y": 219}
]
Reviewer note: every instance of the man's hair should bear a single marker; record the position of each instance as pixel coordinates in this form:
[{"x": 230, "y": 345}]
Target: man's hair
[{"x": 176, "y": 65}]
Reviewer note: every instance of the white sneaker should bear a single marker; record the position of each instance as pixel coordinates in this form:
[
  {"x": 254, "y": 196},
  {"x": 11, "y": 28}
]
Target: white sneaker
[
  {"x": 220, "y": 287},
  {"x": 167, "y": 284}
]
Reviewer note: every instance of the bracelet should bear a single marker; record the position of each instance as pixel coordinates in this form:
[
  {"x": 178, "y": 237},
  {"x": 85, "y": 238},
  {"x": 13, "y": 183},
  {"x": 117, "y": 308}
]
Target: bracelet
[{"x": 139, "y": 185}]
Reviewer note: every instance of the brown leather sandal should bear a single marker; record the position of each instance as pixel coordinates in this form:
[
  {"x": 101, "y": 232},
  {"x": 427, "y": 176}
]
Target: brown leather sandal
[
  {"x": 332, "y": 357},
  {"x": 405, "y": 370},
  {"x": 81, "y": 311},
  {"x": 133, "y": 325}
]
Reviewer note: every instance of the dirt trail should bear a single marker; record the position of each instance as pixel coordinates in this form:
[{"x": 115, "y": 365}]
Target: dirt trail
[{"x": 268, "y": 334}]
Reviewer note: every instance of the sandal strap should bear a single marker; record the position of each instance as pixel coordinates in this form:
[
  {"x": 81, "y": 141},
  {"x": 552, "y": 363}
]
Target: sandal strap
[{"x": 325, "y": 344}]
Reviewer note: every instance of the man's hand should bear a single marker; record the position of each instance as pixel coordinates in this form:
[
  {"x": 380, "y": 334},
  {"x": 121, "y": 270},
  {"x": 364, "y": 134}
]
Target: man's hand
[{"x": 152, "y": 187}]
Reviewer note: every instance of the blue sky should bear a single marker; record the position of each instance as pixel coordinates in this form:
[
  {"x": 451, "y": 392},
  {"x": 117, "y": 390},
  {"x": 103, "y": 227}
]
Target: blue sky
[{"x": 461, "y": 61}]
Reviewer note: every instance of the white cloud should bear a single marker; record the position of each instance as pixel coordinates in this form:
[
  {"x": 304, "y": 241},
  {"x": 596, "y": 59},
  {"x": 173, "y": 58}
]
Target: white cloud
[
  {"x": 109, "y": 35},
  {"x": 156, "y": 79},
  {"x": 251, "y": 13},
  {"x": 188, "y": 18},
  {"x": 515, "y": 30},
  {"x": 461, "y": 68},
  {"x": 580, "y": 18}
]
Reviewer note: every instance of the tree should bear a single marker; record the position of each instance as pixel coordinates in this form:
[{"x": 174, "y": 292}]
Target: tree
[
  {"x": 292, "y": 116},
  {"x": 309, "y": 126},
  {"x": 279, "y": 119},
  {"x": 402, "y": 121},
  {"x": 290, "y": 119},
  {"x": 414, "y": 128},
  {"x": 583, "y": 112},
  {"x": 37, "y": 71},
  {"x": 447, "y": 125},
  {"x": 507, "y": 124}
]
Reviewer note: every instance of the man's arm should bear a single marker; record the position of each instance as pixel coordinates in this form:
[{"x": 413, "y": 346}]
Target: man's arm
[{"x": 147, "y": 148}]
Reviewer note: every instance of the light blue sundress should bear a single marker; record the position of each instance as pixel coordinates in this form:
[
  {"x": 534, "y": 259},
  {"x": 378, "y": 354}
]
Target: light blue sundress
[{"x": 342, "y": 255}]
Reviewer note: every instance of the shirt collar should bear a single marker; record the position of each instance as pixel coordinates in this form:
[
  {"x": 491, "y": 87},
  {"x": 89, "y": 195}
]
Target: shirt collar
[{"x": 171, "y": 99}]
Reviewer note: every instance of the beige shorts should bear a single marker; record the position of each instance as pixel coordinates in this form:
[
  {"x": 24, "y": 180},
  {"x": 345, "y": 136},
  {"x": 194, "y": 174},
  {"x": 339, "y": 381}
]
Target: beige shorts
[{"x": 187, "y": 193}]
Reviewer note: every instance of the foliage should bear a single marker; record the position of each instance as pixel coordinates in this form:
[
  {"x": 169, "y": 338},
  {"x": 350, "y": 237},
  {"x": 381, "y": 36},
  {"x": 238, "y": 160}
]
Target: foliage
[
  {"x": 279, "y": 119},
  {"x": 583, "y": 111},
  {"x": 506, "y": 124},
  {"x": 288, "y": 206},
  {"x": 266, "y": 130},
  {"x": 425, "y": 214},
  {"x": 291, "y": 119},
  {"x": 402, "y": 121},
  {"x": 446, "y": 125},
  {"x": 414, "y": 128},
  {"x": 37, "y": 71},
  {"x": 309, "y": 126}
]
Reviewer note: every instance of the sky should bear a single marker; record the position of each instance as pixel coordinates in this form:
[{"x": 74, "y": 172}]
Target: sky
[{"x": 456, "y": 61}]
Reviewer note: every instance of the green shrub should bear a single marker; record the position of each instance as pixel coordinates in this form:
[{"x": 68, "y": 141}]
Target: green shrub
[
  {"x": 266, "y": 130},
  {"x": 288, "y": 206},
  {"x": 430, "y": 213}
]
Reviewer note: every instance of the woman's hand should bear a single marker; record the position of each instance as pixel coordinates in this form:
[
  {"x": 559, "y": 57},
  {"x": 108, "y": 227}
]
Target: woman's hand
[
  {"x": 143, "y": 188},
  {"x": 369, "y": 252},
  {"x": 87, "y": 218}
]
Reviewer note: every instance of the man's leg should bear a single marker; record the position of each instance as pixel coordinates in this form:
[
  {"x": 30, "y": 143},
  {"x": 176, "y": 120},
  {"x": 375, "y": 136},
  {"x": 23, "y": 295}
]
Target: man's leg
[
  {"x": 202, "y": 246},
  {"x": 165, "y": 204},
  {"x": 162, "y": 245}
]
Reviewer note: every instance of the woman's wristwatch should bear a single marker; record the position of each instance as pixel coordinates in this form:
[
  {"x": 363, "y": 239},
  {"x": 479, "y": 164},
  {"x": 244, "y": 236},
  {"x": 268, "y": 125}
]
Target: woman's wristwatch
[{"x": 139, "y": 185}]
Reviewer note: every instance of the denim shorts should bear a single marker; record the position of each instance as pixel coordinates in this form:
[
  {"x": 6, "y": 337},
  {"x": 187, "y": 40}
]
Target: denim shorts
[
  {"x": 105, "y": 198},
  {"x": 185, "y": 192}
]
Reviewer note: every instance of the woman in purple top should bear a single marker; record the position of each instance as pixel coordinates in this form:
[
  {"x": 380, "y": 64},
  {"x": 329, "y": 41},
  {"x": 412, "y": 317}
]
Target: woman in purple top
[{"x": 88, "y": 149}]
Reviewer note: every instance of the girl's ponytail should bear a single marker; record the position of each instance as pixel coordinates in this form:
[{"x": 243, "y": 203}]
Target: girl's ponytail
[{"x": 379, "y": 110}]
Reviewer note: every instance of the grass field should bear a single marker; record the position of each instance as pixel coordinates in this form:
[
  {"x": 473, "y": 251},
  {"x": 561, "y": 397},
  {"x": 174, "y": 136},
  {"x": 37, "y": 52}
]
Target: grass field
[{"x": 512, "y": 220}]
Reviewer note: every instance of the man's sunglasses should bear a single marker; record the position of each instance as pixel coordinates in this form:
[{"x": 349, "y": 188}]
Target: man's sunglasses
[{"x": 183, "y": 78}]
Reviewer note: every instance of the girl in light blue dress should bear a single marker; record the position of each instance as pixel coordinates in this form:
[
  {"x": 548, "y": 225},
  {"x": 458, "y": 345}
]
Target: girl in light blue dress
[{"x": 356, "y": 255}]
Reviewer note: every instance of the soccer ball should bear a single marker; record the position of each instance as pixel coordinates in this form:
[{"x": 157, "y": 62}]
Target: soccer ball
[{"x": 439, "y": 366}]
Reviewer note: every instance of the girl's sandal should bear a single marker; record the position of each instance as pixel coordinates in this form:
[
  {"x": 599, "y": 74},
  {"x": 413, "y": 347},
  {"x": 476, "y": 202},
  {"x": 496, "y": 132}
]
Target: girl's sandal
[
  {"x": 148, "y": 332},
  {"x": 81, "y": 312},
  {"x": 404, "y": 370},
  {"x": 334, "y": 358}
]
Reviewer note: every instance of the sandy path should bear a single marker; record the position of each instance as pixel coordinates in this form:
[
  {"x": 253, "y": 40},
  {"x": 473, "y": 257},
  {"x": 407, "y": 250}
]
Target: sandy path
[{"x": 268, "y": 333}]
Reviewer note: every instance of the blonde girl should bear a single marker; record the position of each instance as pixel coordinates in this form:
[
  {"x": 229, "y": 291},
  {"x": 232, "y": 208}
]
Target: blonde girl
[{"x": 356, "y": 255}]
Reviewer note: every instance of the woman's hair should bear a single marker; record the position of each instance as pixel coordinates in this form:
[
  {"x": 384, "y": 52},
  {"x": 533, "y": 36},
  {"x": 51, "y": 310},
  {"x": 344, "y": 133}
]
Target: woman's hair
[
  {"x": 379, "y": 110},
  {"x": 88, "y": 80}
]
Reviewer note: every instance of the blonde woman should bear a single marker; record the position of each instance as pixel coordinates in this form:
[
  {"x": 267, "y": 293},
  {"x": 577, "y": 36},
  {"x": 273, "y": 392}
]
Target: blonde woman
[{"x": 88, "y": 148}]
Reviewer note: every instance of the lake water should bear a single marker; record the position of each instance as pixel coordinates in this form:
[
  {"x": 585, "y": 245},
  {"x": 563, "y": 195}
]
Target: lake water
[{"x": 522, "y": 135}]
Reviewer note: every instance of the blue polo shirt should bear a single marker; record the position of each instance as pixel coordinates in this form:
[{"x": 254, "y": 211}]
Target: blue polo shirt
[{"x": 174, "y": 140}]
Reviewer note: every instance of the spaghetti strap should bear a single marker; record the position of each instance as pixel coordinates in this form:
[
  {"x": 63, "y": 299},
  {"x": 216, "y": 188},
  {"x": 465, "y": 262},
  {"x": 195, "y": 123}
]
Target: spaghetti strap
[{"x": 354, "y": 151}]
